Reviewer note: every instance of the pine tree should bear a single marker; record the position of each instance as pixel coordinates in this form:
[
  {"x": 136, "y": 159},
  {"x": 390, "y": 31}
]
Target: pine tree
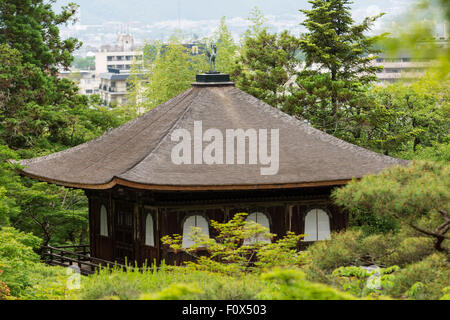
[
  {"x": 266, "y": 62},
  {"x": 32, "y": 28},
  {"x": 331, "y": 90}
]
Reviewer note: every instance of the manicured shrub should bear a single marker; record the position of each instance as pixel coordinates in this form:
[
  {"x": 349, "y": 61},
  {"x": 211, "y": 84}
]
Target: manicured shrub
[
  {"x": 346, "y": 248},
  {"x": 22, "y": 271},
  {"x": 180, "y": 283},
  {"x": 409, "y": 250},
  {"x": 433, "y": 274},
  {"x": 362, "y": 282},
  {"x": 175, "y": 291},
  {"x": 151, "y": 284},
  {"x": 292, "y": 285},
  {"x": 416, "y": 196},
  {"x": 352, "y": 249},
  {"x": 341, "y": 250}
]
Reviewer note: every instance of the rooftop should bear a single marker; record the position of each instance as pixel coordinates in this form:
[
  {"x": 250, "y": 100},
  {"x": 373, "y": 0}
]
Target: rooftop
[{"x": 138, "y": 153}]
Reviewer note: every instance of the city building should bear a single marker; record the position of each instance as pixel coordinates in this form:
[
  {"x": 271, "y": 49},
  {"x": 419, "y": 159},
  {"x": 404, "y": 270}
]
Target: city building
[
  {"x": 403, "y": 67},
  {"x": 85, "y": 79},
  {"x": 406, "y": 66},
  {"x": 119, "y": 56},
  {"x": 113, "y": 87}
]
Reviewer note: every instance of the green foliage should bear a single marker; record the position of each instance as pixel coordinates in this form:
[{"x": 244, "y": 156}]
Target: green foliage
[
  {"x": 370, "y": 223},
  {"x": 9, "y": 182},
  {"x": 22, "y": 275},
  {"x": 282, "y": 253},
  {"x": 409, "y": 249},
  {"x": 5, "y": 293},
  {"x": 266, "y": 62},
  {"x": 409, "y": 194},
  {"x": 180, "y": 283},
  {"x": 336, "y": 44},
  {"x": 425, "y": 279},
  {"x": 411, "y": 120},
  {"x": 57, "y": 215},
  {"x": 31, "y": 27},
  {"x": 364, "y": 283},
  {"x": 16, "y": 256},
  {"x": 291, "y": 285},
  {"x": 173, "y": 71},
  {"x": 238, "y": 247},
  {"x": 331, "y": 91},
  {"x": 46, "y": 283},
  {"x": 446, "y": 295},
  {"x": 405, "y": 260},
  {"x": 168, "y": 283},
  {"x": 87, "y": 63},
  {"x": 353, "y": 249},
  {"x": 176, "y": 291},
  {"x": 166, "y": 72},
  {"x": 338, "y": 263},
  {"x": 227, "y": 50}
]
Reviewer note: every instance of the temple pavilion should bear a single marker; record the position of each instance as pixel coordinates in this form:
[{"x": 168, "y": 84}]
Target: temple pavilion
[{"x": 208, "y": 153}]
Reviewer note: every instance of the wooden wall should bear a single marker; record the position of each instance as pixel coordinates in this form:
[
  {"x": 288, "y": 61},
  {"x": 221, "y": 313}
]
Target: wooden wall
[{"x": 286, "y": 211}]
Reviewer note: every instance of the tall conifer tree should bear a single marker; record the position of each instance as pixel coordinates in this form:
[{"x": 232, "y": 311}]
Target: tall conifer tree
[
  {"x": 331, "y": 88},
  {"x": 32, "y": 27}
]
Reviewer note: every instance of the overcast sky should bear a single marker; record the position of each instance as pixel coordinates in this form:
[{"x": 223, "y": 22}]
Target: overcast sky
[
  {"x": 201, "y": 17},
  {"x": 151, "y": 11}
]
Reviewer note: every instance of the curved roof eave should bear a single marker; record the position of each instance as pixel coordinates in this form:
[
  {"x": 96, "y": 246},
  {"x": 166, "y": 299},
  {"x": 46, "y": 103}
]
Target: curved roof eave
[{"x": 125, "y": 183}]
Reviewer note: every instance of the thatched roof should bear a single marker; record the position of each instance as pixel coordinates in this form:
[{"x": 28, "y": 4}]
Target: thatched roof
[{"x": 138, "y": 154}]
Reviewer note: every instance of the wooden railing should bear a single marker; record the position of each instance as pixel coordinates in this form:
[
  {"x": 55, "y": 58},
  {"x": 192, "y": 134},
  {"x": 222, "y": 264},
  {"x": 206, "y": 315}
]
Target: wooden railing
[{"x": 79, "y": 256}]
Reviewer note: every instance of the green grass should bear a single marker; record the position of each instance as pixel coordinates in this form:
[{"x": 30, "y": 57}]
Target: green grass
[{"x": 117, "y": 284}]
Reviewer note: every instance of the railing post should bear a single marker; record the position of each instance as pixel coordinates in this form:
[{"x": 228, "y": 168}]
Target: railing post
[
  {"x": 79, "y": 261},
  {"x": 51, "y": 255},
  {"x": 62, "y": 256}
]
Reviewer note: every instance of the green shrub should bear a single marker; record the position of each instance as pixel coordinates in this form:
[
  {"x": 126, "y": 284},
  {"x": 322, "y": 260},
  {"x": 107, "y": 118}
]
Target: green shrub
[
  {"x": 371, "y": 223},
  {"x": 16, "y": 257},
  {"x": 325, "y": 256},
  {"x": 228, "y": 253},
  {"x": 446, "y": 292},
  {"x": 347, "y": 248},
  {"x": 291, "y": 285},
  {"x": 153, "y": 284},
  {"x": 416, "y": 196},
  {"x": 364, "y": 283},
  {"x": 352, "y": 248},
  {"x": 22, "y": 271},
  {"x": 433, "y": 274},
  {"x": 409, "y": 250},
  {"x": 46, "y": 283},
  {"x": 176, "y": 291}
]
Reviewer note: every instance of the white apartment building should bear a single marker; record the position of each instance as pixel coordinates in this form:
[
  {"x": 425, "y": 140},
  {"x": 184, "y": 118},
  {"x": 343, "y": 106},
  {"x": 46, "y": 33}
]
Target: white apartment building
[
  {"x": 119, "y": 56},
  {"x": 86, "y": 80},
  {"x": 113, "y": 87},
  {"x": 404, "y": 66}
]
